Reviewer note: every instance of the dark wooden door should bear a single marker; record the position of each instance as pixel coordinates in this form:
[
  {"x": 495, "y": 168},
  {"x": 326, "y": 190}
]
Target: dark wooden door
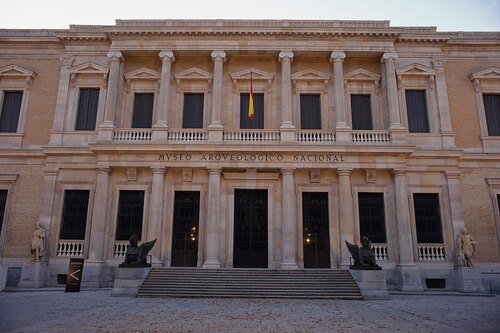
[
  {"x": 250, "y": 229},
  {"x": 316, "y": 230},
  {"x": 185, "y": 229}
]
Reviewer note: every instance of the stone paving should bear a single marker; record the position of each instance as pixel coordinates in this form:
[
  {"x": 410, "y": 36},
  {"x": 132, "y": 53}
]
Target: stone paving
[{"x": 98, "y": 311}]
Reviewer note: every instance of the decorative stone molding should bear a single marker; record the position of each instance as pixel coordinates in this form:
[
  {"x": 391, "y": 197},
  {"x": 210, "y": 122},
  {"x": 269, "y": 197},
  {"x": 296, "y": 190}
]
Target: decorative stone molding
[
  {"x": 315, "y": 176},
  {"x": 370, "y": 176},
  {"x": 131, "y": 174},
  {"x": 257, "y": 74},
  {"x": 115, "y": 55},
  {"x": 218, "y": 55},
  {"x": 193, "y": 73},
  {"x": 88, "y": 68},
  {"x": 415, "y": 70},
  {"x": 438, "y": 63},
  {"x": 14, "y": 71},
  {"x": 337, "y": 56},
  {"x": 187, "y": 175},
  {"x": 309, "y": 75},
  {"x": 286, "y": 56},
  {"x": 363, "y": 75},
  {"x": 491, "y": 73},
  {"x": 145, "y": 74},
  {"x": 389, "y": 57},
  {"x": 167, "y": 56}
]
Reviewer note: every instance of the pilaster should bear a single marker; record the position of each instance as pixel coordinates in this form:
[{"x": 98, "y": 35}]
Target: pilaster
[
  {"x": 62, "y": 101},
  {"x": 99, "y": 216},
  {"x": 443, "y": 107}
]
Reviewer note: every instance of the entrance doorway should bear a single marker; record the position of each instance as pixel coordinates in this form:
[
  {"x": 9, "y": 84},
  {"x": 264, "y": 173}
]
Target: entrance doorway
[
  {"x": 316, "y": 230},
  {"x": 185, "y": 229},
  {"x": 250, "y": 229}
]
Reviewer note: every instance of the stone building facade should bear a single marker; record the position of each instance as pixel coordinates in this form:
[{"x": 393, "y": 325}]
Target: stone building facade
[{"x": 360, "y": 129}]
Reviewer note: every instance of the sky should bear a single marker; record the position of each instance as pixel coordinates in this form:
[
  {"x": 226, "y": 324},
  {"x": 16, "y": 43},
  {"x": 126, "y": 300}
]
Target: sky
[{"x": 446, "y": 15}]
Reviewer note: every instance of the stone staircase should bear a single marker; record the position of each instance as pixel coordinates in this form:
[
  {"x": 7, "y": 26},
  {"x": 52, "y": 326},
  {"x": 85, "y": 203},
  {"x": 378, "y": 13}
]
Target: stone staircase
[{"x": 250, "y": 283}]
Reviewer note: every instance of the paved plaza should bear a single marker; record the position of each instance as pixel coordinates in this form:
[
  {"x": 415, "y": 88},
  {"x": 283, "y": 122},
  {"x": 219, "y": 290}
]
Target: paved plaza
[{"x": 98, "y": 311}]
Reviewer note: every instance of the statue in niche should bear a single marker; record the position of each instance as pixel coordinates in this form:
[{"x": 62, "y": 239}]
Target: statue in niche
[
  {"x": 136, "y": 255},
  {"x": 465, "y": 248},
  {"x": 364, "y": 257},
  {"x": 38, "y": 242}
]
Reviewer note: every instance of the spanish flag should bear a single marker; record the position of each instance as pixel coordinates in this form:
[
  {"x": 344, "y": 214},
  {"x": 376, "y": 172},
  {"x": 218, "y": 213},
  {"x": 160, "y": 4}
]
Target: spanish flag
[{"x": 250, "y": 100}]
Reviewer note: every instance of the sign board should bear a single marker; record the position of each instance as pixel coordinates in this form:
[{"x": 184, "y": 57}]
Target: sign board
[{"x": 74, "y": 278}]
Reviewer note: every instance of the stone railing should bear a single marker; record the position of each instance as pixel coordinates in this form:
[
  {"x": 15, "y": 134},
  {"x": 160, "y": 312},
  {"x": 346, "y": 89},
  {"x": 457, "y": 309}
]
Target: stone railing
[
  {"x": 251, "y": 136},
  {"x": 132, "y": 135},
  {"x": 380, "y": 250},
  {"x": 371, "y": 137},
  {"x": 70, "y": 248},
  {"x": 431, "y": 252},
  {"x": 120, "y": 249},
  {"x": 187, "y": 135},
  {"x": 314, "y": 136}
]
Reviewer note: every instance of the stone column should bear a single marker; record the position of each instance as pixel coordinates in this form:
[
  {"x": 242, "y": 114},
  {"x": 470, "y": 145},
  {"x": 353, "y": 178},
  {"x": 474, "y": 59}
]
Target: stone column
[
  {"x": 155, "y": 222},
  {"x": 443, "y": 107},
  {"x": 341, "y": 127},
  {"x": 346, "y": 215},
  {"x": 62, "y": 101},
  {"x": 212, "y": 237},
  {"x": 288, "y": 221},
  {"x": 391, "y": 90},
  {"x": 287, "y": 127},
  {"x": 161, "y": 126},
  {"x": 410, "y": 274},
  {"x": 99, "y": 214},
  {"x": 215, "y": 128},
  {"x": 107, "y": 127}
]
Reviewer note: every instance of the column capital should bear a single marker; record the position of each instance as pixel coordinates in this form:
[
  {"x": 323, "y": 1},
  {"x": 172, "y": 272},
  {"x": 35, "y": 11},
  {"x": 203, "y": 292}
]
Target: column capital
[
  {"x": 115, "y": 55},
  {"x": 167, "y": 56},
  {"x": 344, "y": 171},
  {"x": 438, "y": 63},
  {"x": 399, "y": 172},
  {"x": 158, "y": 170},
  {"x": 218, "y": 55},
  {"x": 214, "y": 171},
  {"x": 452, "y": 174},
  {"x": 337, "y": 56},
  {"x": 288, "y": 171},
  {"x": 389, "y": 57},
  {"x": 67, "y": 60},
  {"x": 103, "y": 169},
  {"x": 286, "y": 56}
]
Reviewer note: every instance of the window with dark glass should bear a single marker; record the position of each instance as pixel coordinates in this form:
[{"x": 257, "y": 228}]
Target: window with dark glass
[
  {"x": 258, "y": 106},
  {"x": 492, "y": 110},
  {"x": 3, "y": 202},
  {"x": 372, "y": 216},
  {"x": 87, "y": 109},
  {"x": 427, "y": 217},
  {"x": 416, "y": 108},
  {"x": 74, "y": 216},
  {"x": 11, "y": 108},
  {"x": 361, "y": 112},
  {"x": 130, "y": 213},
  {"x": 143, "y": 110},
  {"x": 192, "y": 114},
  {"x": 310, "y": 111}
]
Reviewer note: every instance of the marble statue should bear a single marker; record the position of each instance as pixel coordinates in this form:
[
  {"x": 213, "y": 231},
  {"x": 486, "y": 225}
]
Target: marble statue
[
  {"x": 38, "y": 242},
  {"x": 364, "y": 257},
  {"x": 465, "y": 248},
  {"x": 136, "y": 255}
]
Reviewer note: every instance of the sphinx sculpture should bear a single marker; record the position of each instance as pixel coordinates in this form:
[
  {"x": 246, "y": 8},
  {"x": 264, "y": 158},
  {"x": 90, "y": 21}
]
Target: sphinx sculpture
[
  {"x": 136, "y": 255},
  {"x": 363, "y": 256}
]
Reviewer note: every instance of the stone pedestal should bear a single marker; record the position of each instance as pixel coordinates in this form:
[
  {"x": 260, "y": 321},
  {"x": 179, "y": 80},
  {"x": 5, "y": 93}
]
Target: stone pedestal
[
  {"x": 33, "y": 275},
  {"x": 469, "y": 280},
  {"x": 410, "y": 278},
  {"x": 129, "y": 280},
  {"x": 372, "y": 283}
]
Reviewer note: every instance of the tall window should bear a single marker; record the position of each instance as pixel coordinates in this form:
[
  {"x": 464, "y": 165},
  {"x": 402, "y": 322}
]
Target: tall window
[
  {"x": 361, "y": 112},
  {"x": 427, "y": 218},
  {"x": 11, "y": 107},
  {"x": 3, "y": 201},
  {"x": 143, "y": 110},
  {"x": 492, "y": 110},
  {"x": 310, "y": 111},
  {"x": 87, "y": 109},
  {"x": 74, "y": 216},
  {"x": 130, "y": 212},
  {"x": 416, "y": 108},
  {"x": 258, "y": 106},
  {"x": 372, "y": 216},
  {"x": 192, "y": 114}
]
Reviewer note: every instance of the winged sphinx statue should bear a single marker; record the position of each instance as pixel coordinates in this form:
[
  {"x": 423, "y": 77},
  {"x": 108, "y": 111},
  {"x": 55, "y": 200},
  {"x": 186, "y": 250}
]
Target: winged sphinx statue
[
  {"x": 363, "y": 257},
  {"x": 136, "y": 255}
]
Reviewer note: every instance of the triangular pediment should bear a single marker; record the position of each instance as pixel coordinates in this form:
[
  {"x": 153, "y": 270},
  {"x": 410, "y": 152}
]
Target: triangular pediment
[
  {"x": 310, "y": 74},
  {"x": 488, "y": 73},
  {"x": 257, "y": 74},
  {"x": 193, "y": 73},
  {"x": 142, "y": 73},
  {"x": 13, "y": 71},
  {"x": 415, "y": 69},
  {"x": 362, "y": 74},
  {"x": 89, "y": 68}
]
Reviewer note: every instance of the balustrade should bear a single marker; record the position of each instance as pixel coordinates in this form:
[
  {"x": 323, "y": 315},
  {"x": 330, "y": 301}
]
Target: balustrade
[
  {"x": 431, "y": 252},
  {"x": 251, "y": 136},
  {"x": 314, "y": 136},
  {"x": 120, "y": 249},
  {"x": 70, "y": 248},
  {"x": 132, "y": 135},
  {"x": 371, "y": 137},
  {"x": 187, "y": 135},
  {"x": 380, "y": 251}
]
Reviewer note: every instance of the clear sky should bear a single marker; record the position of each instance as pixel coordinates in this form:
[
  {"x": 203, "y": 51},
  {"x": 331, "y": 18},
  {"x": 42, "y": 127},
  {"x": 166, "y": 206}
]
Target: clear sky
[{"x": 446, "y": 15}]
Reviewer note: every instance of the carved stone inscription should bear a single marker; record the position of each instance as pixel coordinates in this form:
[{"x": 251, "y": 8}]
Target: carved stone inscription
[{"x": 255, "y": 158}]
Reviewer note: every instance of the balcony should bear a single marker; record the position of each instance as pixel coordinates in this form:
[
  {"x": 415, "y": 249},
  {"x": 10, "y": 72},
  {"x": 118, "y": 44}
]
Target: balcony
[{"x": 431, "y": 252}]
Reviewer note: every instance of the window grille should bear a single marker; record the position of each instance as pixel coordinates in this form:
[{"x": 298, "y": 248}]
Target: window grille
[
  {"x": 74, "y": 216},
  {"x": 130, "y": 214}
]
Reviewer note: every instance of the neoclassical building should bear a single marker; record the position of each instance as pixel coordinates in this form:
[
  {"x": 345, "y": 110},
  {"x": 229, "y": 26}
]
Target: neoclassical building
[{"x": 143, "y": 127}]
